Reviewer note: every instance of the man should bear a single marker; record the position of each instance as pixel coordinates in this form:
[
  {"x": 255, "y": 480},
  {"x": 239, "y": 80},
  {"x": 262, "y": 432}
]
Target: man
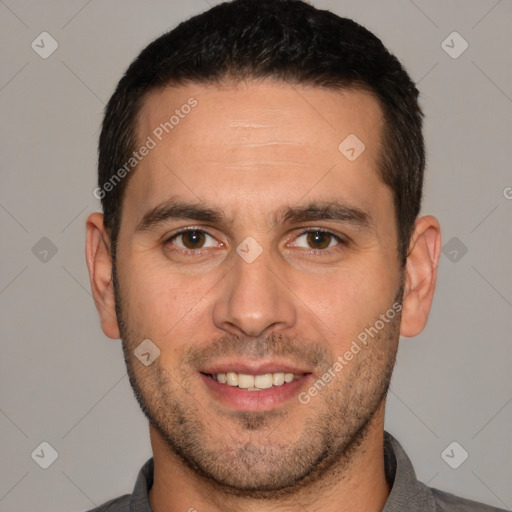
[{"x": 260, "y": 253}]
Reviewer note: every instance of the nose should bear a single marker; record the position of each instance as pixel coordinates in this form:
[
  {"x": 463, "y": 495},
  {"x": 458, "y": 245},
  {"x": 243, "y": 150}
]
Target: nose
[{"x": 254, "y": 299}]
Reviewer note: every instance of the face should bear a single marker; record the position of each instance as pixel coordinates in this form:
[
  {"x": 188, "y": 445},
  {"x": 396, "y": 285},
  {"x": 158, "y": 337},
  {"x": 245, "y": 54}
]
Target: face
[{"x": 251, "y": 245}]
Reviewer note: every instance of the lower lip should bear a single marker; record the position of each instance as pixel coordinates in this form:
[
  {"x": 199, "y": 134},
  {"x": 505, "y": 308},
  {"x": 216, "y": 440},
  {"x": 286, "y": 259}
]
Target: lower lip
[{"x": 253, "y": 401}]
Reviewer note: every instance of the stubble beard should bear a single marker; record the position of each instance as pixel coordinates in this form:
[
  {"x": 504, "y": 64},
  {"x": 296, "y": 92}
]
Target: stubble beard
[{"x": 258, "y": 464}]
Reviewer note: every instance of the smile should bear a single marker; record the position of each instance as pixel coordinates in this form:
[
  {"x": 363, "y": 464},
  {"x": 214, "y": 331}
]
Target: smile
[{"x": 254, "y": 382}]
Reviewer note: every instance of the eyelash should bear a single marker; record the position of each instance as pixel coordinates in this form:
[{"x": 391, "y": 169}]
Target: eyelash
[{"x": 339, "y": 239}]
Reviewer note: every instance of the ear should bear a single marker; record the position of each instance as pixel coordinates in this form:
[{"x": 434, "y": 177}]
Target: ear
[
  {"x": 99, "y": 263},
  {"x": 420, "y": 275}
]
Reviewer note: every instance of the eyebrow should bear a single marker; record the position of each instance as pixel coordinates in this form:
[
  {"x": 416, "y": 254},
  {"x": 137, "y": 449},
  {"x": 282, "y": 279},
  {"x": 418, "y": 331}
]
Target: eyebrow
[{"x": 334, "y": 210}]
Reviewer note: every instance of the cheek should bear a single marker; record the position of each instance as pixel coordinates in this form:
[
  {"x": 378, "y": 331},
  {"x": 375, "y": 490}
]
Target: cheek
[
  {"x": 161, "y": 303},
  {"x": 353, "y": 299},
  {"x": 146, "y": 295}
]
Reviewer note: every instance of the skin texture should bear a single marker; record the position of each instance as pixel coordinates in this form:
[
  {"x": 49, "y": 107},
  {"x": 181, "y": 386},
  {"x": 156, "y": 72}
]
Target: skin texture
[{"x": 250, "y": 150}]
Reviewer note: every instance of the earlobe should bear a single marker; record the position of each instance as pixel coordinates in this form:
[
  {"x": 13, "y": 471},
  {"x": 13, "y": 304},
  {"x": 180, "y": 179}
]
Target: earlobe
[
  {"x": 99, "y": 264},
  {"x": 420, "y": 275}
]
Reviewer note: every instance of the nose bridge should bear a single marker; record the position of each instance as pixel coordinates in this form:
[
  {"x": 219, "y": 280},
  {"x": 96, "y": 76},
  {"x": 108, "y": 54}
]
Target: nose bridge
[{"x": 252, "y": 299}]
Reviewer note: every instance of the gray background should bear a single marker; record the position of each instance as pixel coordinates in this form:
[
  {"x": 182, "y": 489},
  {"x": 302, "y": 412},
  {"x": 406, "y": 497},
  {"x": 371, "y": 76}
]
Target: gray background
[{"x": 62, "y": 381}]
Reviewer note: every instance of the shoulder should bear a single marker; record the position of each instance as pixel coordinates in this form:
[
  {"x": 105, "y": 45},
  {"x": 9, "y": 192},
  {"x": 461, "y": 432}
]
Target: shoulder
[
  {"x": 138, "y": 500},
  {"x": 121, "y": 504},
  {"x": 446, "y": 502},
  {"x": 408, "y": 493}
]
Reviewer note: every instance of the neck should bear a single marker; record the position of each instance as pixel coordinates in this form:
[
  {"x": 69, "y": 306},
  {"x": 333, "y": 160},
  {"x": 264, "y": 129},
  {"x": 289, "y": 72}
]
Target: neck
[{"x": 359, "y": 484}]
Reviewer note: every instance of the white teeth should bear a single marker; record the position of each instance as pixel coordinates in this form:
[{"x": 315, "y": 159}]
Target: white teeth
[
  {"x": 278, "y": 379},
  {"x": 245, "y": 381},
  {"x": 255, "y": 382},
  {"x": 263, "y": 381},
  {"x": 231, "y": 379}
]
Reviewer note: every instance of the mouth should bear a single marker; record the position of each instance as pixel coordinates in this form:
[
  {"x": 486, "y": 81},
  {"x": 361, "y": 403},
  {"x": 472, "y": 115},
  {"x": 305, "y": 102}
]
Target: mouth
[
  {"x": 254, "y": 382},
  {"x": 254, "y": 387}
]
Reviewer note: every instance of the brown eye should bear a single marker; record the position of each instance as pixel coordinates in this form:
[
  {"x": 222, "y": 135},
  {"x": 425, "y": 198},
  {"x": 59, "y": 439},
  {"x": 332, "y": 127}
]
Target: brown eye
[
  {"x": 319, "y": 239},
  {"x": 193, "y": 239}
]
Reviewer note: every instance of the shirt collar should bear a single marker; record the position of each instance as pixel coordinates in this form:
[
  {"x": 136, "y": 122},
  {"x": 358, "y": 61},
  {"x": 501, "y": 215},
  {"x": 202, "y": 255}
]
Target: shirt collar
[{"x": 407, "y": 493}]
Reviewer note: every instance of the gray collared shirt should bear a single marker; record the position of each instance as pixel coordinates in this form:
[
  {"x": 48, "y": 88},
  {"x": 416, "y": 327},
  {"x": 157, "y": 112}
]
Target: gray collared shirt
[{"x": 407, "y": 493}]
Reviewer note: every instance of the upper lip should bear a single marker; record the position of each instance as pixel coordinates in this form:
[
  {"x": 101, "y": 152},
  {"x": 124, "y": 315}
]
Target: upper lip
[{"x": 254, "y": 368}]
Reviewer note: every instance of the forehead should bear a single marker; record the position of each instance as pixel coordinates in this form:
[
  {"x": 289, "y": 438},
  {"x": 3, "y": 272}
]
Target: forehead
[
  {"x": 265, "y": 112},
  {"x": 256, "y": 145}
]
